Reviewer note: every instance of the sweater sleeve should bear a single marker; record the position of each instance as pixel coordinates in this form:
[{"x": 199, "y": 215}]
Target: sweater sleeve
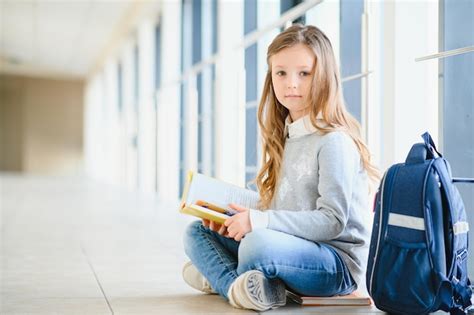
[{"x": 339, "y": 162}]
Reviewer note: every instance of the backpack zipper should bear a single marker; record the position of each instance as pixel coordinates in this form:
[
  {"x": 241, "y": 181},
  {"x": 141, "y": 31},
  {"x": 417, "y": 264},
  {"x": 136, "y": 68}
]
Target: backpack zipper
[{"x": 379, "y": 232}]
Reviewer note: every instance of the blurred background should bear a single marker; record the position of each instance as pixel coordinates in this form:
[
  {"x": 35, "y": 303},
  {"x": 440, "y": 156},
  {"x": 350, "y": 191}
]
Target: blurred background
[{"x": 132, "y": 94}]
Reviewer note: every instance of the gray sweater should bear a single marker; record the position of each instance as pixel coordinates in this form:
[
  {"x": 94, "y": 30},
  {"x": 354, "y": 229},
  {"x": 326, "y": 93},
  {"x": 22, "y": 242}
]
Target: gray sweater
[{"x": 322, "y": 195}]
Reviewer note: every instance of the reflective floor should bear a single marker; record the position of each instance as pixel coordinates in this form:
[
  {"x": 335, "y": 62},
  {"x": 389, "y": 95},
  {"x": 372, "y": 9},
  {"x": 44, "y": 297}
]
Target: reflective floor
[{"x": 75, "y": 246}]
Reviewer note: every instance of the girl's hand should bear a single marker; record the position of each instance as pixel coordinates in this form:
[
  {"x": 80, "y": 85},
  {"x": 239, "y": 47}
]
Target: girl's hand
[
  {"x": 239, "y": 224},
  {"x": 216, "y": 227}
]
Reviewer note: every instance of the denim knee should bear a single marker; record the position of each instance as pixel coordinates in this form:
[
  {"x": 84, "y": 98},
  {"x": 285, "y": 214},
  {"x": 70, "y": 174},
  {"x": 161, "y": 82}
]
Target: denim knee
[
  {"x": 190, "y": 236},
  {"x": 255, "y": 249}
]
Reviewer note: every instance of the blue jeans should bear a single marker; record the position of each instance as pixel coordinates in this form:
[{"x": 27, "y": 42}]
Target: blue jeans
[{"x": 306, "y": 267}]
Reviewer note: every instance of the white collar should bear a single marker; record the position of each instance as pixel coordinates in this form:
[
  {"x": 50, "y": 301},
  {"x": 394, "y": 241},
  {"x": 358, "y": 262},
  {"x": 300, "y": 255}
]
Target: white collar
[{"x": 300, "y": 127}]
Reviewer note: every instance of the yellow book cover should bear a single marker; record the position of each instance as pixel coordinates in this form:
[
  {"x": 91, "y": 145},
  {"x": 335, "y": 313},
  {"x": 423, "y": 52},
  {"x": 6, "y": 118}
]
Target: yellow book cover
[{"x": 208, "y": 198}]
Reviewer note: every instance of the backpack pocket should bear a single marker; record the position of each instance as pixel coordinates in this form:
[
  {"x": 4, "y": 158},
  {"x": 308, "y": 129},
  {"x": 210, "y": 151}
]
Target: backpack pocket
[{"x": 404, "y": 283}]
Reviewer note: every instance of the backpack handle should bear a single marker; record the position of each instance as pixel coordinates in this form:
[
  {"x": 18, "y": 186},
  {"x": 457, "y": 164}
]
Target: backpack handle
[
  {"x": 432, "y": 148},
  {"x": 420, "y": 152},
  {"x": 430, "y": 145}
]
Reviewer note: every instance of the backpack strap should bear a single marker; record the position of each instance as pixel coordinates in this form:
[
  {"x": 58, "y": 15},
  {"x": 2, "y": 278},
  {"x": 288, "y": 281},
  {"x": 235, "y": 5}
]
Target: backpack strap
[
  {"x": 461, "y": 297},
  {"x": 462, "y": 293}
]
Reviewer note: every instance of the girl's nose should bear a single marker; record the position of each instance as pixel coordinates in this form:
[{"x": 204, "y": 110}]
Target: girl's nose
[{"x": 292, "y": 82}]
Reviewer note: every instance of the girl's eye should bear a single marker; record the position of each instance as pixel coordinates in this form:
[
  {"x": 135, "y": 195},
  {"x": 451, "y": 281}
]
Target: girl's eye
[
  {"x": 280, "y": 73},
  {"x": 304, "y": 73}
]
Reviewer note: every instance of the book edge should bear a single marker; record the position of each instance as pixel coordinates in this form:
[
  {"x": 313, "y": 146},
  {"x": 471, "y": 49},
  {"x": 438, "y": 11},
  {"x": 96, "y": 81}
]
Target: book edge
[
  {"x": 184, "y": 196},
  {"x": 368, "y": 303},
  {"x": 343, "y": 300},
  {"x": 212, "y": 215}
]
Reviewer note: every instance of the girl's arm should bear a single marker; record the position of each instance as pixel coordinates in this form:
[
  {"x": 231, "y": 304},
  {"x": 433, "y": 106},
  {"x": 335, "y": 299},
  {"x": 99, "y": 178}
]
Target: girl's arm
[{"x": 339, "y": 164}]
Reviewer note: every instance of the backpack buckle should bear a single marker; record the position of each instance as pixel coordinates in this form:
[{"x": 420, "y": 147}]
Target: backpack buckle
[{"x": 462, "y": 255}]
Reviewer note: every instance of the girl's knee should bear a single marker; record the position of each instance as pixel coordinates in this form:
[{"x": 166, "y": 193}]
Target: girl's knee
[
  {"x": 255, "y": 250},
  {"x": 191, "y": 234},
  {"x": 193, "y": 228}
]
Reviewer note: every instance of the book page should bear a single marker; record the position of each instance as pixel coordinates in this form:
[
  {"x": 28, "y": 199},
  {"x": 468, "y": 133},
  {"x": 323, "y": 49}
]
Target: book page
[{"x": 220, "y": 193}]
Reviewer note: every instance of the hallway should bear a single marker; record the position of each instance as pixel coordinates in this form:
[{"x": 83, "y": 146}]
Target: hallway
[{"x": 74, "y": 246}]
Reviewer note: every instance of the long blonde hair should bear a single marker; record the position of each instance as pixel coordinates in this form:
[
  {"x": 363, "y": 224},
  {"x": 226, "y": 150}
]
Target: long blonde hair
[{"x": 326, "y": 99}]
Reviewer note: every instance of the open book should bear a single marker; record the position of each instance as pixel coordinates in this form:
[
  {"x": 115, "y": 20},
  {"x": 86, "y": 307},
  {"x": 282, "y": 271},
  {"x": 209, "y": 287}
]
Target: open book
[
  {"x": 353, "y": 299},
  {"x": 208, "y": 198}
]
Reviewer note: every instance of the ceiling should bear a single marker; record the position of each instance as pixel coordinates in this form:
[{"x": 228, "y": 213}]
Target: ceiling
[{"x": 63, "y": 38}]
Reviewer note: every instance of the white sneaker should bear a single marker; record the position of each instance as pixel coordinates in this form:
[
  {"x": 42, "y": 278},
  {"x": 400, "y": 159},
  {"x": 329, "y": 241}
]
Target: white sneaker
[
  {"x": 252, "y": 290},
  {"x": 195, "y": 279}
]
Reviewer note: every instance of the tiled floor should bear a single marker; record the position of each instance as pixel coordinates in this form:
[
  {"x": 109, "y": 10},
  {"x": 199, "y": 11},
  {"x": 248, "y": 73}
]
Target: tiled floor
[{"x": 73, "y": 246}]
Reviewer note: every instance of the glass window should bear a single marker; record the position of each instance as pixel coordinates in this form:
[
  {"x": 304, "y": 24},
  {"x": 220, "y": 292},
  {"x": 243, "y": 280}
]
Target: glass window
[
  {"x": 457, "y": 101},
  {"x": 350, "y": 54},
  {"x": 136, "y": 86},
  {"x": 119, "y": 87},
  {"x": 197, "y": 57},
  {"x": 158, "y": 57},
  {"x": 136, "y": 76},
  {"x": 251, "y": 144},
  {"x": 186, "y": 61},
  {"x": 157, "y": 88},
  {"x": 250, "y": 24},
  {"x": 206, "y": 90},
  {"x": 286, "y": 5}
]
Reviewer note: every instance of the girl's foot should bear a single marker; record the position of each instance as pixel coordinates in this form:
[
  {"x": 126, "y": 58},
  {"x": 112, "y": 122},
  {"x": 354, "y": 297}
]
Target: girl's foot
[
  {"x": 252, "y": 290},
  {"x": 195, "y": 279}
]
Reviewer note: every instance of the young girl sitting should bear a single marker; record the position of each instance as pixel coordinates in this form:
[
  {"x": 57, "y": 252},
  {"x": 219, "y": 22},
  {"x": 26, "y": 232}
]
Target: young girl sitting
[{"x": 311, "y": 231}]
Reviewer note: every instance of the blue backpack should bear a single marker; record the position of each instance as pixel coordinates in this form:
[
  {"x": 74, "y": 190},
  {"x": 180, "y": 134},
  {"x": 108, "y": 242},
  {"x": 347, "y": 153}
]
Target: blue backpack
[{"x": 419, "y": 247}]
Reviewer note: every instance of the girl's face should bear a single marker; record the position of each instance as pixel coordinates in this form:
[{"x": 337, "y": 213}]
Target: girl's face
[{"x": 292, "y": 74}]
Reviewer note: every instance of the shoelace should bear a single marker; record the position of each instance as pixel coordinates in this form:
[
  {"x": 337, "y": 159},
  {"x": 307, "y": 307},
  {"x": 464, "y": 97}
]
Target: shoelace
[{"x": 255, "y": 288}]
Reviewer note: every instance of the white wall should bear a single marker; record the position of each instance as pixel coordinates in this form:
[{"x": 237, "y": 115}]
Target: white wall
[
  {"x": 168, "y": 100},
  {"x": 130, "y": 117},
  {"x": 230, "y": 97},
  {"x": 410, "y": 89},
  {"x": 146, "y": 112},
  {"x": 111, "y": 120},
  {"x": 326, "y": 16},
  {"x": 94, "y": 129},
  {"x": 373, "y": 83}
]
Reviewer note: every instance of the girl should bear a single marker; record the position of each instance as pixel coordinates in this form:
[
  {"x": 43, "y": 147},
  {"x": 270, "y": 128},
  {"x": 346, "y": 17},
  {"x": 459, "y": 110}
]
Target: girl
[{"x": 311, "y": 231}]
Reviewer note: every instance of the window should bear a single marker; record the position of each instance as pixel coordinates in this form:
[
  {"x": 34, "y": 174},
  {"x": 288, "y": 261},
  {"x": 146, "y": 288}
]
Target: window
[
  {"x": 194, "y": 47},
  {"x": 206, "y": 90},
  {"x": 250, "y": 24},
  {"x": 196, "y": 58},
  {"x": 136, "y": 86},
  {"x": 157, "y": 88},
  {"x": 350, "y": 54},
  {"x": 186, "y": 61},
  {"x": 136, "y": 75},
  {"x": 157, "y": 57},
  {"x": 119, "y": 87},
  {"x": 286, "y": 5},
  {"x": 457, "y": 109}
]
